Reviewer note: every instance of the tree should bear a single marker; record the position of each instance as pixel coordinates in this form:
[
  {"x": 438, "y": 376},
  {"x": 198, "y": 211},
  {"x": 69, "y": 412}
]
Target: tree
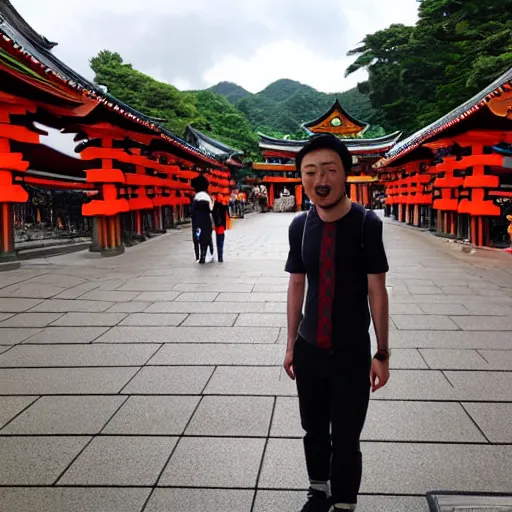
[
  {"x": 205, "y": 110},
  {"x": 417, "y": 74}
]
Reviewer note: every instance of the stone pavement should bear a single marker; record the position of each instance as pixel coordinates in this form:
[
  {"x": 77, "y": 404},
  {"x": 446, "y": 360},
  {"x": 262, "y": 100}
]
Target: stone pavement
[{"x": 147, "y": 382}]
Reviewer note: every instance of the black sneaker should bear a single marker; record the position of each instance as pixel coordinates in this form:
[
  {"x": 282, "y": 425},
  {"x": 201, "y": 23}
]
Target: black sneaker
[{"x": 318, "y": 501}]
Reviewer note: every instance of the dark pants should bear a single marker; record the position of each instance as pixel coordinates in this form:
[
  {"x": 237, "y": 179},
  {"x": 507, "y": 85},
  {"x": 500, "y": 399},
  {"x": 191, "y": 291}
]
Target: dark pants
[
  {"x": 334, "y": 391},
  {"x": 220, "y": 247},
  {"x": 196, "y": 246}
]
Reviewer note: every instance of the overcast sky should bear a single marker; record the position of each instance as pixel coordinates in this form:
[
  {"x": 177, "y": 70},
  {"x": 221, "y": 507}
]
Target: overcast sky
[{"x": 198, "y": 43}]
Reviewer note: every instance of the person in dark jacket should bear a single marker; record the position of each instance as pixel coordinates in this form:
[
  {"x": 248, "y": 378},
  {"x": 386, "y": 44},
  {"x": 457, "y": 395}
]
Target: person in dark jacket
[
  {"x": 220, "y": 218},
  {"x": 202, "y": 207}
]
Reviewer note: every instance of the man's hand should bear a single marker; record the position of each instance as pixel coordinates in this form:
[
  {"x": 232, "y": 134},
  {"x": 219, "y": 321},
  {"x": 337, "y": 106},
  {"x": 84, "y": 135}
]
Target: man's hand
[
  {"x": 288, "y": 364},
  {"x": 379, "y": 374}
]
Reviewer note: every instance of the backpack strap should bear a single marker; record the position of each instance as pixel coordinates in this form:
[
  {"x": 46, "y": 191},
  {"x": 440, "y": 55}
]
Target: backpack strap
[
  {"x": 362, "y": 227},
  {"x": 303, "y": 235}
]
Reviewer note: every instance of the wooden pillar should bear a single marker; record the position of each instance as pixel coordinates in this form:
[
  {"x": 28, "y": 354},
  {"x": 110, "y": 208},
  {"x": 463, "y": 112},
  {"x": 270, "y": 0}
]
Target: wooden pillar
[
  {"x": 365, "y": 198},
  {"x": 480, "y": 242},
  {"x": 417, "y": 215},
  {"x": 353, "y": 192},
  {"x": 95, "y": 245},
  {"x": 102, "y": 233},
  {"x": 110, "y": 235},
  {"x": 453, "y": 223},
  {"x": 439, "y": 222},
  {"x": 473, "y": 231},
  {"x": 156, "y": 226},
  {"x": 138, "y": 223},
  {"x": 407, "y": 214},
  {"x": 162, "y": 219},
  {"x": 8, "y": 257},
  {"x": 298, "y": 197}
]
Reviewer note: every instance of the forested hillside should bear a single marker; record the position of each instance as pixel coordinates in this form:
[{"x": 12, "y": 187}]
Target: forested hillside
[
  {"x": 226, "y": 112},
  {"x": 231, "y": 91},
  {"x": 285, "y": 104},
  {"x": 417, "y": 74},
  {"x": 206, "y": 110}
]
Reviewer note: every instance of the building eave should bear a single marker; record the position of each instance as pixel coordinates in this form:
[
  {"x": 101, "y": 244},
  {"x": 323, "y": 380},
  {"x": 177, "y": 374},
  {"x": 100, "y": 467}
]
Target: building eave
[
  {"x": 385, "y": 140},
  {"x": 10, "y": 14},
  {"x": 381, "y": 144},
  {"x": 335, "y": 106}
]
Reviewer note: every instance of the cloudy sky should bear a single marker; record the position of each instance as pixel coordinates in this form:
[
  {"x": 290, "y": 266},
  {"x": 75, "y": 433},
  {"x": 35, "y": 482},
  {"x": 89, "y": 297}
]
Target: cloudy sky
[{"x": 198, "y": 43}]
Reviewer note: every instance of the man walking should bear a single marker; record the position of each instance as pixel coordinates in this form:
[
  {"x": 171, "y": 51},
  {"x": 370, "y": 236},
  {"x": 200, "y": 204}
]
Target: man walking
[
  {"x": 338, "y": 246},
  {"x": 202, "y": 207}
]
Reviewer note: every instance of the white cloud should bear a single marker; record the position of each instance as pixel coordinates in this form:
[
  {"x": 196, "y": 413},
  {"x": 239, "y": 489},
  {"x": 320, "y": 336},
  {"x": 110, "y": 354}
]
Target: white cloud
[
  {"x": 196, "y": 42},
  {"x": 284, "y": 59}
]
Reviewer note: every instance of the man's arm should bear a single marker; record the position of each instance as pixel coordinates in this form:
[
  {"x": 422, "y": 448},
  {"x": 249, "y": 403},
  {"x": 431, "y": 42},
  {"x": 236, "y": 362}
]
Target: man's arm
[
  {"x": 379, "y": 307},
  {"x": 296, "y": 288}
]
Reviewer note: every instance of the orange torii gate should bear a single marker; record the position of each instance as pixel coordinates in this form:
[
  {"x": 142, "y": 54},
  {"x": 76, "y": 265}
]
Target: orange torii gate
[
  {"x": 129, "y": 164},
  {"x": 467, "y": 186},
  {"x": 468, "y": 155},
  {"x": 408, "y": 189}
]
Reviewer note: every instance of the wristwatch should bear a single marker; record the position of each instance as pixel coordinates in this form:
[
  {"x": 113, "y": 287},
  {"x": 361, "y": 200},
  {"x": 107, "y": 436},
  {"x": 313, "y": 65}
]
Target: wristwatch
[{"x": 382, "y": 355}]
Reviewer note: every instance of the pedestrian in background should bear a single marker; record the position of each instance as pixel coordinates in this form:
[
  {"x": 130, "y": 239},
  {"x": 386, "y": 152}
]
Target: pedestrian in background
[
  {"x": 202, "y": 207},
  {"x": 220, "y": 220}
]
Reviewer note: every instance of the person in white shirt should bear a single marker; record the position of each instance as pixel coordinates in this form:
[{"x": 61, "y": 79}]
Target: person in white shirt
[{"x": 202, "y": 207}]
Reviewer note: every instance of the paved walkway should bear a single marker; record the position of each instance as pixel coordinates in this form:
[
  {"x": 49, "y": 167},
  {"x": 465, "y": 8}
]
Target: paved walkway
[{"x": 147, "y": 382}]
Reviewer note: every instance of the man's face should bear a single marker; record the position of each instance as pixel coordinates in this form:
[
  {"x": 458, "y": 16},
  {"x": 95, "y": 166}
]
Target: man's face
[{"x": 323, "y": 177}]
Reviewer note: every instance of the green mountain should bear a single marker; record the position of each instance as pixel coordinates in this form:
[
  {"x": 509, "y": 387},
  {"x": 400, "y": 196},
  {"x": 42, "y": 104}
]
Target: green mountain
[
  {"x": 283, "y": 89},
  {"x": 285, "y": 104},
  {"x": 209, "y": 112},
  {"x": 229, "y": 90},
  {"x": 226, "y": 112}
]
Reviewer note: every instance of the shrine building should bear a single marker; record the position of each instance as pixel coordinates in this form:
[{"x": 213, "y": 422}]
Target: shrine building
[
  {"x": 278, "y": 170},
  {"x": 454, "y": 177}
]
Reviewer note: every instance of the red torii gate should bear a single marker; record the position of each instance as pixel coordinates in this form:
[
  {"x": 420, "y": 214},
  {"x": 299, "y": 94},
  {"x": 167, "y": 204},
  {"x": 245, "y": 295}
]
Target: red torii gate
[{"x": 154, "y": 173}]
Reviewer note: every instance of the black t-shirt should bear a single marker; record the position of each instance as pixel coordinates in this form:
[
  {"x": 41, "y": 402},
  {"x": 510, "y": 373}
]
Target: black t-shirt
[{"x": 350, "y": 248}]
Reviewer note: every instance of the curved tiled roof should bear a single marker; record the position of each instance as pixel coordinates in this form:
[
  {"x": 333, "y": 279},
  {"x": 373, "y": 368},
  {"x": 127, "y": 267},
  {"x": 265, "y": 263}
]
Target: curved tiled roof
[
  {"x": 354, "y": 144},
  {"x": 221, "y": 148},
  {"x": 335, "y": 106}
]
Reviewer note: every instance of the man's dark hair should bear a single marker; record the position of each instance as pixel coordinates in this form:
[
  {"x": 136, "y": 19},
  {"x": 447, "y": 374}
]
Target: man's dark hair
[
  {"x": 200, "y": 184},
  {"x": 326, "y": 141}
]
